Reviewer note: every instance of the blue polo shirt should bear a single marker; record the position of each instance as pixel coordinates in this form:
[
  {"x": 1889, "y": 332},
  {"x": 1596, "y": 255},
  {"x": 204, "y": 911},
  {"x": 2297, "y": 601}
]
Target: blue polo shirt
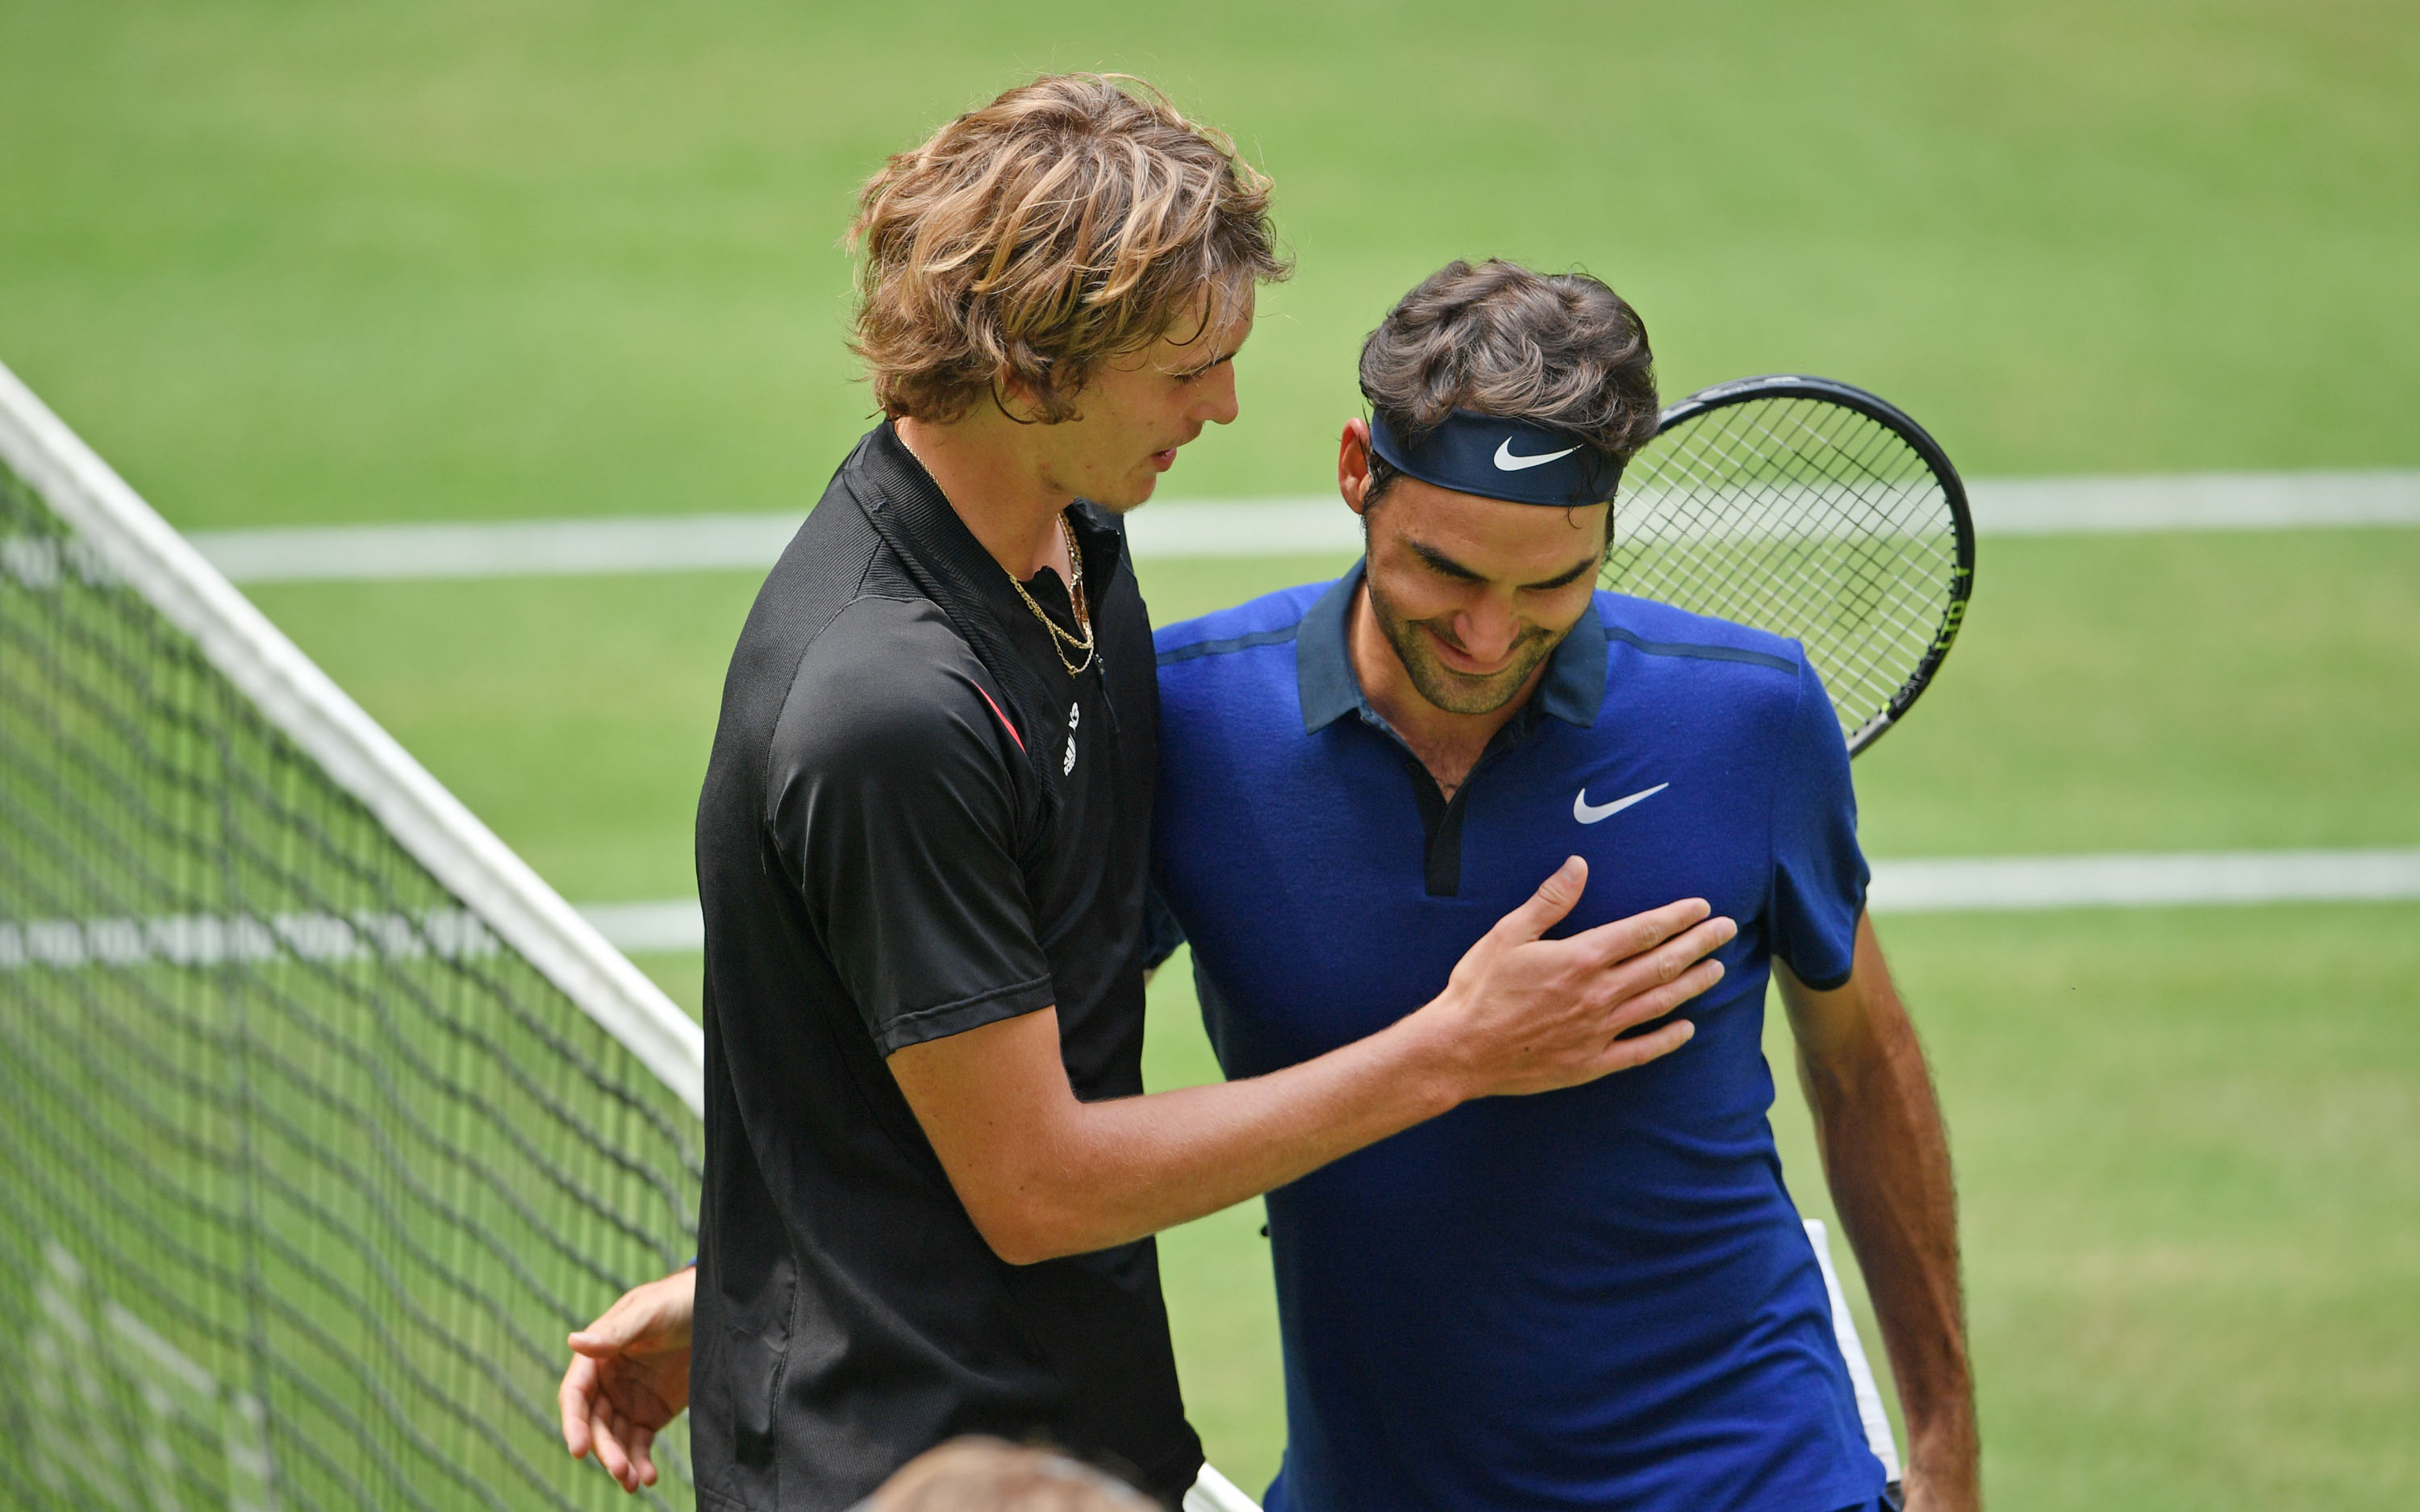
[{"x": 1600, "y": 1297}]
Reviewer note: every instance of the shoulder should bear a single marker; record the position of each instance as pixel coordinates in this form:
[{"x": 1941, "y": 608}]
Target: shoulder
[
  {"x": 1270, "y": 620},
  {"x": 823, "y": 568},
  {"x": 1227, "y": 681},
  {"x": 1722, "y": 657},
  {"x": 1644, "y": 629},
  {"x": 1753, "y": 682},
  {"x": 888, "y": 682}
]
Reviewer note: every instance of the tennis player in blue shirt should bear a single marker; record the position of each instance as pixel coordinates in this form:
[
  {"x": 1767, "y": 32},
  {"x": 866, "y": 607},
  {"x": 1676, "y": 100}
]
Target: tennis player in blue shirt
[{"x": 1600, "y": 1297}]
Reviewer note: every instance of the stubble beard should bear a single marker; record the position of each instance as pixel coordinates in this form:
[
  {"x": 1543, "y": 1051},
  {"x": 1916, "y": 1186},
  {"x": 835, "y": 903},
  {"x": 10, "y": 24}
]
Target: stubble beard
[{"x": 1451, "y": 691}]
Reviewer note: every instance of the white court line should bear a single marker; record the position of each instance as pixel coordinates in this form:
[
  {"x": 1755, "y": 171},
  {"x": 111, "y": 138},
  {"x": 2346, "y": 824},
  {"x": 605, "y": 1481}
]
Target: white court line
[
  {"x": 668, "y": 924},
  {"x": 2194, "y": 502},
  {"x": 2003, "y": 883},
  {"x": 1246, "y": 528},
  {"x": 1984, "y": 883},
  {"x": 1980, "y": 884},
  {"x": 542, "y": 549}
]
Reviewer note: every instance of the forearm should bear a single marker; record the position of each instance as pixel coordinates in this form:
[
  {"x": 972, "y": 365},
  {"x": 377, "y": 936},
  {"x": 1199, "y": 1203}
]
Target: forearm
[
  {"x": 1886, "y": 1158},
  {"x": 1886, "y": 1155},
  {"x": 1097, "y": 1174},
  {"x": 1043, "y": 1174}
]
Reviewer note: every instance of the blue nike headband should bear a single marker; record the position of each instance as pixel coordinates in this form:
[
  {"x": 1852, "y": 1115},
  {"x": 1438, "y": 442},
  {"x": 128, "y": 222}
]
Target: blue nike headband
[{"x": 1499, "y": 459}]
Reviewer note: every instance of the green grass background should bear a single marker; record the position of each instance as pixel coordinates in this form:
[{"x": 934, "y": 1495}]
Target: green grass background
[
  {"x": 289, "y": 261},
  {"x": 2184, "y": 1136},
  {"x": 308, "y": 263}
]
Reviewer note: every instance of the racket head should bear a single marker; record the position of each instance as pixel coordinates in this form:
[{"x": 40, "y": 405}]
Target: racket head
[{"x": 1812, "y": 509}]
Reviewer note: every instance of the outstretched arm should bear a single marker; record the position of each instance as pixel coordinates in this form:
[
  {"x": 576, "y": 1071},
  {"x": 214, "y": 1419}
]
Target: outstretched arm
[
  {"x": 1044, "y": 1175},
  {"x": 1886, "y": 1157}
]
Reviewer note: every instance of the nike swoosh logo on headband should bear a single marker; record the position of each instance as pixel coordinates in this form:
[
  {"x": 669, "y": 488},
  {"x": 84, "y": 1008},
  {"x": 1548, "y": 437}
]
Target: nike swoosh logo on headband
[{"x": 1507, "y": 462}]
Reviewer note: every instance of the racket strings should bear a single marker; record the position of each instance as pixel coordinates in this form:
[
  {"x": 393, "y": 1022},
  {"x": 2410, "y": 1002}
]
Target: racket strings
[
  {"x": 1802, "y": 517},
  {"x": 1855, "y": 481},
  {"x": 1816, "y": 594},
  {"x": 1826, "y": 595}
]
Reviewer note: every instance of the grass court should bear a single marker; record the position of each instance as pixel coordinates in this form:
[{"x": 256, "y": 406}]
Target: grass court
[{"x": 287, "y": 265}]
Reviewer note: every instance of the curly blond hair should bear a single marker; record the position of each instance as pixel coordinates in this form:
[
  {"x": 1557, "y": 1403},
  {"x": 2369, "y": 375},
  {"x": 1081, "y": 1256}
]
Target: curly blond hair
[{"x": 1074, "y": 218}]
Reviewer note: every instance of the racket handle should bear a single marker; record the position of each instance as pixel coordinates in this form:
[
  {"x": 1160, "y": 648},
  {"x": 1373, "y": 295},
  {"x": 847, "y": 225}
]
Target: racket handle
[{"x": 1214, "y": 1492}]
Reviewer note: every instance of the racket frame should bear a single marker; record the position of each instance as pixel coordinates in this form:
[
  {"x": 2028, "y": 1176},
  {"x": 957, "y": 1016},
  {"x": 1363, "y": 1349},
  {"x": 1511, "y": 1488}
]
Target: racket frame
[{"x": 1883, "y": 413}]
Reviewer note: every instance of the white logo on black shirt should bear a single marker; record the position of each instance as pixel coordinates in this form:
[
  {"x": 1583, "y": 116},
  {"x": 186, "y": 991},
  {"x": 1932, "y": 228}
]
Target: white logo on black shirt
[{"x": 1075, "y": 718}]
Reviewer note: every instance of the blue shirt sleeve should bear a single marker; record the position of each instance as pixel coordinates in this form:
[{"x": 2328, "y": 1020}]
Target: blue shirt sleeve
[{"x": 1818, "y": 874}]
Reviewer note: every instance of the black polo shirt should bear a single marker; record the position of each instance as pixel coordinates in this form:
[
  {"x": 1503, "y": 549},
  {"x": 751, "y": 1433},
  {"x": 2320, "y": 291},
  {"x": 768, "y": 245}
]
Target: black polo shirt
[{"x": 914, "y": 822}]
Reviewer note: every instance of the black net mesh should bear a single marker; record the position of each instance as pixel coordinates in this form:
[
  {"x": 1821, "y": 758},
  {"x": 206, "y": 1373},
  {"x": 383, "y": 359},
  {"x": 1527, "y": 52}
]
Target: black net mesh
[
  {"x": 303, "y": 1174},
  {"x": 1804, "y": 518}
]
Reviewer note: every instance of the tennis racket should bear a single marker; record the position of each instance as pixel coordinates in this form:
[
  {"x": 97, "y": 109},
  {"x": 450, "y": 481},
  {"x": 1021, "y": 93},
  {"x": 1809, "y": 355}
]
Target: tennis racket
[{"x": 1813, "y": 510}]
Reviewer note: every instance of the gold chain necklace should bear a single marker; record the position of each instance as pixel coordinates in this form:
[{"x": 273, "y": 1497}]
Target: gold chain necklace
[
  {"x": 1075, "y": 595},
  {"x": 1074, "y": 601}
]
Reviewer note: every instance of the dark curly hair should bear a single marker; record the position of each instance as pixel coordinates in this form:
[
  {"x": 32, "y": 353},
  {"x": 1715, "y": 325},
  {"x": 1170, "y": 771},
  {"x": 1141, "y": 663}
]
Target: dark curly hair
[{"x": 1561, "y": 350}]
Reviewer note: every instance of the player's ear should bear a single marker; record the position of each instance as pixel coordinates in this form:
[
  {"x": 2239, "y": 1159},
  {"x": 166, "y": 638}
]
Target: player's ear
[
  {"x": 1014, "y": 399},
  {"x": 1353, "y": 464}
]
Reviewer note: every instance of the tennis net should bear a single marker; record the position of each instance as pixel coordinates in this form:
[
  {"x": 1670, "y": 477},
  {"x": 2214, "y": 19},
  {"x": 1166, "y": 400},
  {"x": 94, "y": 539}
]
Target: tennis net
[{"x": 321, "y": 1119}]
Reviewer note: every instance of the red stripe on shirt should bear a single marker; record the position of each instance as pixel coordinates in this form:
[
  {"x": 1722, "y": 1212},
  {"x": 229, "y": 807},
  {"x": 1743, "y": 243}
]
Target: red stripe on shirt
[{"x": 1003, "y": 719}]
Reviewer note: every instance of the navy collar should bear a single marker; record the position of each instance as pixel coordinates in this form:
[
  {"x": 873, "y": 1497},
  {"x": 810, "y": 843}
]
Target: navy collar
[{"x": 1573, "y": 690}]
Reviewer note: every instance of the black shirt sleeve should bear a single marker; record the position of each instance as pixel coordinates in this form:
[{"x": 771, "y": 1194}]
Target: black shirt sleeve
[
  {"x": 1161, "y": 933},
  {"x": 893, "y": 802}
]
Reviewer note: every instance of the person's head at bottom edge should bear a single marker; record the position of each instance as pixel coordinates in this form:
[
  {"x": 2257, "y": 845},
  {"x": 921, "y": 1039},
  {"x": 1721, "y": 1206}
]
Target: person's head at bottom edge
[{"x": 985, "y": 1475}]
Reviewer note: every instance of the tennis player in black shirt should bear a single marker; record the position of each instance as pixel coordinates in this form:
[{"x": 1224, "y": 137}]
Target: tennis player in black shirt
[{"x": 931, "y": 1174}]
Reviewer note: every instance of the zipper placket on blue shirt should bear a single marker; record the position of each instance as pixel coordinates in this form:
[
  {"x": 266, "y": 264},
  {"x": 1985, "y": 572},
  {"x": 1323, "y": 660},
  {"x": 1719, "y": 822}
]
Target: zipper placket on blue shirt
[{"x": 1441, "y": 817}]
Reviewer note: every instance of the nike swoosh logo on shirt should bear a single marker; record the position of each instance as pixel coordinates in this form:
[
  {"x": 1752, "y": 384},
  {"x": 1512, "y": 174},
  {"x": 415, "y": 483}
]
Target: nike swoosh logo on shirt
[
  {"x": 1507, "y": 462},
  {"x": 1589, "y": 813}
]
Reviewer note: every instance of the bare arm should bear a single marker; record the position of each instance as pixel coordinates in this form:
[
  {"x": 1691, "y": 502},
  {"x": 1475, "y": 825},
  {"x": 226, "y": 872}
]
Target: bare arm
[
  {"x": 1044, "y": 1175},
  {"x": 1886, "y": 1158}
]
